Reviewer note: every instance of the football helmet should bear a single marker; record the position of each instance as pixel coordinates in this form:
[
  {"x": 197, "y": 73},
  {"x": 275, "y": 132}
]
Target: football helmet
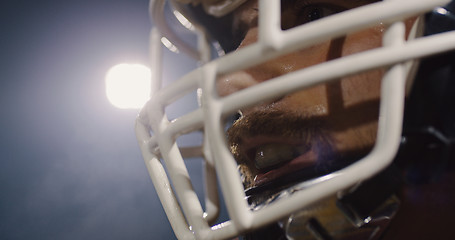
[{"x": 353, "y": 198}]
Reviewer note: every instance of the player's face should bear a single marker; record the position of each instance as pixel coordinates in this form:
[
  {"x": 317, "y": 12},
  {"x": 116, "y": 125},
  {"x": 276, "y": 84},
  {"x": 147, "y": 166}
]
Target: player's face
[{"x": 322, "y": 127}]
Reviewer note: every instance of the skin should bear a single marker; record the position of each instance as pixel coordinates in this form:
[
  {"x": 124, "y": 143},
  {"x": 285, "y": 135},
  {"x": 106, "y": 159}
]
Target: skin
[
  {"x": 341, "y": 117},
  {"x": 345, "y": 111}
]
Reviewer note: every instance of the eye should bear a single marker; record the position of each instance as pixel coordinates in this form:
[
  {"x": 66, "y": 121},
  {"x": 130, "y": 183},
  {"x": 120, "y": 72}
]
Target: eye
[
  {"x": 315, "y": 13},
  {"x": 296, "y": 13}
]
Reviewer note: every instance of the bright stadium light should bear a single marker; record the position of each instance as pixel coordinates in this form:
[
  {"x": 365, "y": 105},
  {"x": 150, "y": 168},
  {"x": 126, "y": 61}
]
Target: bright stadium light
[{"x": 128, "y": 85}]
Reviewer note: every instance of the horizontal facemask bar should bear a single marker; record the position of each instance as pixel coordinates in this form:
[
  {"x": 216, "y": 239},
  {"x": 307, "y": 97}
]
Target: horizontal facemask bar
[{"x": 300, "y": 37}]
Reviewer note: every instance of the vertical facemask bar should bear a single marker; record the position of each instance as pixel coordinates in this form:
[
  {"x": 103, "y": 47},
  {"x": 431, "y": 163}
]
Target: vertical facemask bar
[
  {"x": 154, "y": 166},
  {"x": 156, "y": 56},
  {"x": 165, "y": 192},
  {"x": 269, "y": 24},
  {"x": 392, "y": 87},
  {"x": 189, "y": 203},
  {"x": 197, "y": 219},
  {"x": 225, "y": 165},
  {"x": 212, "y": 202}
]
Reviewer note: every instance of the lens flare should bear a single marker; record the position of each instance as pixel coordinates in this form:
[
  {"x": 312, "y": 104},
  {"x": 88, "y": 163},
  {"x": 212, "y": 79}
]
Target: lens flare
[{"x": 128, "y": 85}]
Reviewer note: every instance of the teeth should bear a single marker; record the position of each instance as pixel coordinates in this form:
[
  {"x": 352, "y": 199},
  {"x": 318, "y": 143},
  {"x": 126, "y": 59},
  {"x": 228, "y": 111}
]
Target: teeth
[{"x": 272, "y": 154}]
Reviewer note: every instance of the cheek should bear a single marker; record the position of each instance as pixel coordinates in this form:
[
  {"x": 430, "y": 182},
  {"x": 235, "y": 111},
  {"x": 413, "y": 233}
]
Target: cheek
[
  {"x": 363, "y": 40},
  {"x": 250, "y": 37},
  {"x": 233, "y": 82},
  {"x": 353, "y": 43},
  {"x": 353, "y": 90},
  {"x": 361, "y": 88},
  {"x": 310, "y": 102},
  {"x": 364, "y": 86},
  {"x": 290, "y": 62}
]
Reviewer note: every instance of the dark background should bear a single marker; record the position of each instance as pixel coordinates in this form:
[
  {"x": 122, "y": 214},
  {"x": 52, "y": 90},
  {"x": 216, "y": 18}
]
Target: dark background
[{"x": 70, "y": 164}]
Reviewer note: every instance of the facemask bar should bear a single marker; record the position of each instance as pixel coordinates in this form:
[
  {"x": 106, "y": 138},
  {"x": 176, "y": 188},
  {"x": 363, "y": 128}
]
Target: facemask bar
[{"x": 183, "y": 208}]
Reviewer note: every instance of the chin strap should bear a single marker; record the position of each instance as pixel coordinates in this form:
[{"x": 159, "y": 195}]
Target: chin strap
[{"x": 363, "y": 212}]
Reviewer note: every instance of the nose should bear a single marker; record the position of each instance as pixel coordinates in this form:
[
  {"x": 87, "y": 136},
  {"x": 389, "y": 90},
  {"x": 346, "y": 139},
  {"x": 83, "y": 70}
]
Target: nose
[{"x": 233, "y": 82}]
